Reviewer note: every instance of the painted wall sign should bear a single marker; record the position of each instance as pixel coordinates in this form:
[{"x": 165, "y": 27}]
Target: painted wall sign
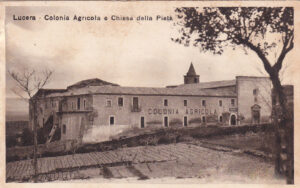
[
  {"x": 159, "y": 111},
  {"x": 233, "y": 109},
  {"x": 166, "y": 111}
]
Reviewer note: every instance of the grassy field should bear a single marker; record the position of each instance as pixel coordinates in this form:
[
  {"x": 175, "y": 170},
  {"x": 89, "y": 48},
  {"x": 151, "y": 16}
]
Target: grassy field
[{"x": 261, "y": 141}]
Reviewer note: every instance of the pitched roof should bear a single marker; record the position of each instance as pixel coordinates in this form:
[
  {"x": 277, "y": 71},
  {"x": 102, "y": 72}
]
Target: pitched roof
[
  {"x": 209, "y": 85},
  {"x": 191, "y": 71},
  {"x": 43, "y": 92},
  {"x": 118, "y": 90},
  {"x": 90, "y": 82}
]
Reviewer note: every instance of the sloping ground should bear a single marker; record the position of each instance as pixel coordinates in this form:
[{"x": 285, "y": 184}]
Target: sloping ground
[
  {"x": 179, "y": 161},
  {"x": 138, "y": 138},
  {"x": 261, "y": 141}
]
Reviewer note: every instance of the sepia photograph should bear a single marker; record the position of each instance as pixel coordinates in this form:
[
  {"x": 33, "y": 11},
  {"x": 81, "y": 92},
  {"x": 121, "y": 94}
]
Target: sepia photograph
[{"x": 126, "y": 93}]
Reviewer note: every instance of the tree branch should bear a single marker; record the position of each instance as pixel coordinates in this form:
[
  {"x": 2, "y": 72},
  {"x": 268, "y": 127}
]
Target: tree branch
[
  {"x": 27, "y": 84},
  {"x": 260, "y": 54},
  {"x": 287, "y": 46}
]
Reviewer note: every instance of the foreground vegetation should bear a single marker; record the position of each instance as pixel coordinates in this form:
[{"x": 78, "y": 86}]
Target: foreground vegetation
[{"x": 262, "y": 141}]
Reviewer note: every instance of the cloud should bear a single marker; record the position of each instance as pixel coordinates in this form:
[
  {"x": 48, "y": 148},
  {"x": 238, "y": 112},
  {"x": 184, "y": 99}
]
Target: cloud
[{"x": 127, "y": 53}]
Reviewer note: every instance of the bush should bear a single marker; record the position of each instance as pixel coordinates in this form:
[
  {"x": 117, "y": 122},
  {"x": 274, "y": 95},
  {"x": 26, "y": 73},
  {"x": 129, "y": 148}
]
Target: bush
[
  {"x": 167, "y": 139},
  {"x": 41, "y": 138},
  {"x": 27, "y": 137},
  {"x": 11, "y": 141}
]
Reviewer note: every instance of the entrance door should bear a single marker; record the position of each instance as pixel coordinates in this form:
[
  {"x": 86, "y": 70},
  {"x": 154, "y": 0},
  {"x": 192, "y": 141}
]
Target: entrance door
[
  {"x": 233, "y": 120},
  {"x": 255, "y": 114},
  {"x": 142, "y": 122},
  {"x": 256, "y": 117},
  {"x": 166, "y": 123},
  {"x": 185, "y": 121}
]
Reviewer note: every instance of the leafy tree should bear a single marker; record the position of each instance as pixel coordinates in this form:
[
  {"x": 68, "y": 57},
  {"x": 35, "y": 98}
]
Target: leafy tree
[{"x": 264, "y": 30}]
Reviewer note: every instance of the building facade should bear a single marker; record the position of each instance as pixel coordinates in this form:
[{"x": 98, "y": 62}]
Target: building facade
[{"x": 97, "y": 108}]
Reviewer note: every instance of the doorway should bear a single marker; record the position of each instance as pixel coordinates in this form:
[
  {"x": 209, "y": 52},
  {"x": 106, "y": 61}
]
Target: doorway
[
  {"x": 142, "y": 122},
  {"x": 185, "y": 121},
  {"x": 166, "y": 121},
  {"x": 255, "y": 109},
  {"x": 233, "y": 119}
]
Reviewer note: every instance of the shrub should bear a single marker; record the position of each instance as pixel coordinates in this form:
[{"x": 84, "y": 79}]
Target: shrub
[
  {"x": 41, "y": 138},
  {"x": 195, "y": 120},
  {"x": 11, "y": 141},
  {"x": 175, "y": 122},
  {"x": 27, "y": 137}
]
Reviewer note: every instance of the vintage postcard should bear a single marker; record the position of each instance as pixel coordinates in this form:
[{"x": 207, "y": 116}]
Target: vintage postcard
[{"x": 152, "y": 92}]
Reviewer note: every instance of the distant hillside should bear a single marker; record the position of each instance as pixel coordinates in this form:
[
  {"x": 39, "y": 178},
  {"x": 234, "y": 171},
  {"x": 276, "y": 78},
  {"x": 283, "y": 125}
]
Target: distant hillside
[{"x": 16, "y": 109}]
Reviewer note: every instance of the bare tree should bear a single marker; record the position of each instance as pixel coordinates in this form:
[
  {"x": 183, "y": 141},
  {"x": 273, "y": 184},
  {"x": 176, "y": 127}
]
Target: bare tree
[
  {"x": 262, "y": 30},
  {"x": 30, "y": 82}
]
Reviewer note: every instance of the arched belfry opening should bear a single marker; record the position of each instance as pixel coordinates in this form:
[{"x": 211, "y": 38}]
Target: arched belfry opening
[{"x": 191, "y": 77}]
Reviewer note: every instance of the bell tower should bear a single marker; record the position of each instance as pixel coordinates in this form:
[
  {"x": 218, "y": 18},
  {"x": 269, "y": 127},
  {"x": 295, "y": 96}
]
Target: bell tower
[{"x": 191, "y": 77}]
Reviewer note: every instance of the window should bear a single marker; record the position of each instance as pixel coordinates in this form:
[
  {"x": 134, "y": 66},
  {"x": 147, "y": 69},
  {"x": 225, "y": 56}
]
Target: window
[
  {"x": 203, "y": 119},
  {"x": 166, "y": 102},
  {"x": 78, "y": 103},
  {"x": 220, "y": 119},
  {"x": 72, "y": 105},
  {"x": 52, "y": 104},
  {"x": 111, "y": 120},
  {"x": 166, "y": 121},
  {"x": 203, "y": 103},
  {"x": 185, "y": 121},
  {"x": 185, "y": 102},
  {"x": 64, "y": 129},
  {"x": 255, "y": 91},
  {"x": 120, "y": 101},
  {"x": 142, "y": 122},
  {"x": 255, "y": 99},
  {"x": 220, "y": 103},
  {"x": 135, "y": 103},
  {"x": 84, "y": 104},
  {"x": 232, "y": 102},
  {"x": 108, "y": 103}
]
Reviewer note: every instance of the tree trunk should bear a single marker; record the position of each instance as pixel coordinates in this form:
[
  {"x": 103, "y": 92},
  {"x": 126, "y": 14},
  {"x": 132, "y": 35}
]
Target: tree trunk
[
  {"x": 35, "y": 140},
  {"x": 283, "y": 121}
]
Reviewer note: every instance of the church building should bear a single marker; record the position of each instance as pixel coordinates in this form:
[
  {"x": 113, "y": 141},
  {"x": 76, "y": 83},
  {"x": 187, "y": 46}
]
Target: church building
[{"x": 95, "y": 109}]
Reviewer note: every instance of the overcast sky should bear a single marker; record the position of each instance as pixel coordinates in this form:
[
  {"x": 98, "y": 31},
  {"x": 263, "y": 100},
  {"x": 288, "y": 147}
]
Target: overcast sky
[{"x": 123, "y": 52}]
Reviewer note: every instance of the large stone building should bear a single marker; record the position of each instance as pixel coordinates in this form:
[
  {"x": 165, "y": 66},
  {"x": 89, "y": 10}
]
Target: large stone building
[{"x": 95, "y": 108}]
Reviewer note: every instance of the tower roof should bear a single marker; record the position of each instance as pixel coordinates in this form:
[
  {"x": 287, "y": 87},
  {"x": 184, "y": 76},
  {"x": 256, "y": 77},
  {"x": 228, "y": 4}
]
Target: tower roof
[{"x": 191, "y": 71}]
